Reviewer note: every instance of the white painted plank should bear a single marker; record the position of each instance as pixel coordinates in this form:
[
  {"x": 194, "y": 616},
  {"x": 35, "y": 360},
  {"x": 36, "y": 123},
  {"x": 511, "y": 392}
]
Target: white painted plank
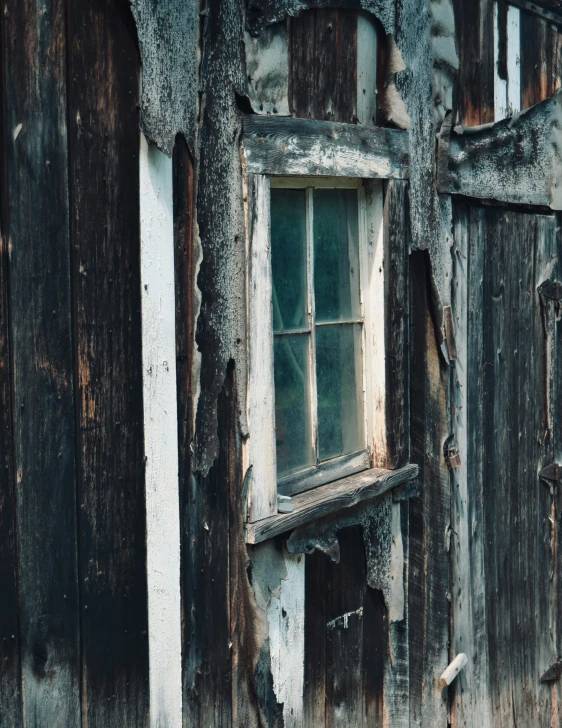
[
  {"x": 372, "y": 291},
  {"x": 160, "y": 433},
  {"x": 500, "y": 85},
  {"x": 286, "y": 637},
  {"x": 260, "y": 452},
  {"x": 507, "y": 94},
  {"x": 366, "y": 69},
  {"x": 513, "y": 60}
]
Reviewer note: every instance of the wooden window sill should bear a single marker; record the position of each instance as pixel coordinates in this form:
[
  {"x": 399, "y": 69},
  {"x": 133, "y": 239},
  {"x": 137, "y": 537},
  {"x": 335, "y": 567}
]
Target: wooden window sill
[{"x": 330, "y": 498}]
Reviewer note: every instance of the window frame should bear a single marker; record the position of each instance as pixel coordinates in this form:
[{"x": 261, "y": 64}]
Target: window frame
[{"x": 260, "y": 448}]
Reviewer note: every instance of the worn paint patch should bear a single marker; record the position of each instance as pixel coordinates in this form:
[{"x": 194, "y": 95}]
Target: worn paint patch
[{"x": 168, "y": 35}]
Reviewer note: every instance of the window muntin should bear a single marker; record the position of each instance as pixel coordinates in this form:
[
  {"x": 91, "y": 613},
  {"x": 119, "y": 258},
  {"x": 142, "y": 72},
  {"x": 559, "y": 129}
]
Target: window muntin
[{"x": 318, "y": 327}]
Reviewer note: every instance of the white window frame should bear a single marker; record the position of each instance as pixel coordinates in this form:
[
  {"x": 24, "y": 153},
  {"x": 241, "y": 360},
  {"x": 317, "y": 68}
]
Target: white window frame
[{"x": 260, "y": 446}]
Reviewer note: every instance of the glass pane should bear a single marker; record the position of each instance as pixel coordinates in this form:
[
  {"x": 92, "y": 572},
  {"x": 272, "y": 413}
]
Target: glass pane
[
  {"x": 292, "y": 398},
  {"x": 339, "y": 377},
  {"x": 288, "y": 259},
  {"x": 336, "y": 255}
]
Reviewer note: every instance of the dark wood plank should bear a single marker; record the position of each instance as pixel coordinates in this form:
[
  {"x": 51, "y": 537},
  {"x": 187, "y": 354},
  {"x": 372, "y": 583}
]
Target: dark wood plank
[
  {"x": 315, "y": 621},
  {"x": 375, "y": 662},
  {"x": 40, "y": 304},
  {"x": 328, "y": 499},
  {"x": 540, "y": 59},
  {"x": 474, "y": 90},
  {"x": 429, "y": 517},
  {"x": 345, "y": 592},
  {"x": 323, "y": 65},
  {"x": 282, "y": 146},
  {"x": 10, "y": 672},
  {"x": 396, "y": 253},
  {"x": 104, "y": 170}
]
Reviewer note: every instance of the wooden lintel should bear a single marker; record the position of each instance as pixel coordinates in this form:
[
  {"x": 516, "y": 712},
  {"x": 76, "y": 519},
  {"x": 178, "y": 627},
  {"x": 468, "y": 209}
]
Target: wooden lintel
[
  {"x": 328, "y": 499},
  {"x": 302, "y": 147}
]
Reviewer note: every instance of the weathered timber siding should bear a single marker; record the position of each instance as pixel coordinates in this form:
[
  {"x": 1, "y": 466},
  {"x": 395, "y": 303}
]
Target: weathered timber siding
[
  {"x": 506, "y": 520},
  {"x": 70, "y": 336}
]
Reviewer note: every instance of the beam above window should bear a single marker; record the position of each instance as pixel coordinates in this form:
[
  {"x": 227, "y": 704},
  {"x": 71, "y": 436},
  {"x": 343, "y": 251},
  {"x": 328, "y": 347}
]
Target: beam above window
[{"x": 303, "y": 147}]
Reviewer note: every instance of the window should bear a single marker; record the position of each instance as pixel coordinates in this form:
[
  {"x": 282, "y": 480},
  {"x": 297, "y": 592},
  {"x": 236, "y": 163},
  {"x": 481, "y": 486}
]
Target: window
[{"x": 318, "y": 333}]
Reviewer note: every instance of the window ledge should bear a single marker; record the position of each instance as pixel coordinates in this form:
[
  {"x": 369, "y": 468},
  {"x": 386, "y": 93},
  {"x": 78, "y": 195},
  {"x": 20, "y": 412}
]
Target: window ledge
[{"x": 328, "y": 499}]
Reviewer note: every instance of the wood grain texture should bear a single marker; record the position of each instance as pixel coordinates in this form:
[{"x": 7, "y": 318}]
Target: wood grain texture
[
  {"x": 329, "y": 499},
  {"x": 323, "y": 65},
  {"x": 474, "y": 90},
  {"x": 105, "y": 220},
  {"x": 541, "y": 59},
  {"x": 324, "y": 473},
  {"x": 261, "y": 449},
  {"x": 396, "y": 298},
  {"x": 34, "y": 47},
  {"x": 429, "y": 515},
  {"x": 10, "y": 674},
  {"x": 305, "y": 147}
]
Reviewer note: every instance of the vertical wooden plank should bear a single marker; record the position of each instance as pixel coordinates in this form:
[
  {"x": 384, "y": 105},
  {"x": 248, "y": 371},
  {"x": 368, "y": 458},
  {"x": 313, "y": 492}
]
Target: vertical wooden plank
[
  {"x": 260, "y": 449},
  {"x": 38, "y": 239},
  {"x": 468, "y": 89},
  {"x": 513, "y": 59},
  {"x": 345, "y": 589},
  {"x": 10, "y": 672},
  {"x": 375, "y": 663},
  {"x": 429, "y": 517},
  {"x": 105, "y": 218},
  {"x": 500, "y": 60},
  {"x": 315, "y": 639},
  {"x": 160, "y": 418},
  {"x": 487, "y": 66},
  {"x": 323, "y": 65},
  {"x": 470, "y": 700},
  {"x": 396, "y": 297},
  {"x": 541, "y": 61},
  {"x": 286, "y": 616},
  {"x": 367, "y": 50}
]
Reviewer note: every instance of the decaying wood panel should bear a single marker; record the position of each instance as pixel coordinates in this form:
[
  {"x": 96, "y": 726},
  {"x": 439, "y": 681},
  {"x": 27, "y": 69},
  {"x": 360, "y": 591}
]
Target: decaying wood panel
[
  {"x": 40, "y": 303},
  {"x": 209, "y": 688},
  {"x": 516, "y": 160},
  {"x": 105, "y": 219},
  {"x": 323, "y": 65},
  {"x": 429, "y": 516}
]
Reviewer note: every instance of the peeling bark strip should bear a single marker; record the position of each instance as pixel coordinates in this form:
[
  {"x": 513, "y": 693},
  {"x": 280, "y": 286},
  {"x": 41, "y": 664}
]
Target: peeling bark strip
[
  {"x": 261, "y": 13},
  {"x": 517, "y": 160},
  {"x": 40, "y": 307},
  {"x": 168, "y": 35},
  {"x": 302, "y": 147}
]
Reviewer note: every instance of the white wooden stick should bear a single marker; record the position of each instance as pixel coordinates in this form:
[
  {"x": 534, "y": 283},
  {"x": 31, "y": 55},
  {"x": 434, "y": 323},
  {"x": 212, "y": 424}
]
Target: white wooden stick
[{"x": 450, "y": 673}]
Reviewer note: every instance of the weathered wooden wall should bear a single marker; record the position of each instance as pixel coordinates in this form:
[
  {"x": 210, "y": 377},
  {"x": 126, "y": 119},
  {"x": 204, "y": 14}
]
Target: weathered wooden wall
[{"x": 72, "y": 480}]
